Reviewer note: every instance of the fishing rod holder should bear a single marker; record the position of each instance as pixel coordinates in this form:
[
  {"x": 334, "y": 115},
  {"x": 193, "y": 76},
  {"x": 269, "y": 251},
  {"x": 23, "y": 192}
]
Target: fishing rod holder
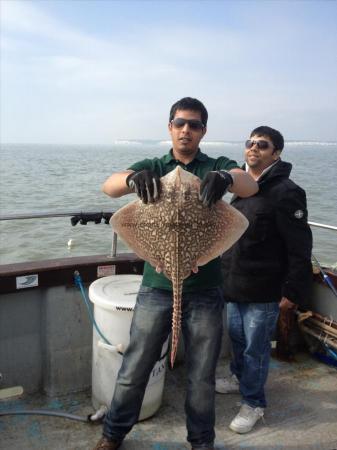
[{"x": 83, "y": 218}]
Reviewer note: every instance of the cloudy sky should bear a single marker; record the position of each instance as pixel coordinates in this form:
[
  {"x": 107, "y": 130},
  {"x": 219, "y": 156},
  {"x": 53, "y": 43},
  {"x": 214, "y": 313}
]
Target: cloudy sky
[{"x": 92, "y": 72}]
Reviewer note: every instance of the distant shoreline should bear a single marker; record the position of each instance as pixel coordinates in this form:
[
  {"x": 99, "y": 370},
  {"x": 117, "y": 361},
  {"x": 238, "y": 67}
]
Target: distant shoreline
[{"x": 154, "y": 142}]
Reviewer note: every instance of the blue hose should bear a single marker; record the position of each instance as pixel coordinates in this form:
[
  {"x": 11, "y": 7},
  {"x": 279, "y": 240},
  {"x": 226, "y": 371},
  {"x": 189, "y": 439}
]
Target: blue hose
[
  {"x": 325, "y": 276},
  {"x": 79, "y": 284},
  {"x": 45, "y": 412},
  {"x": 326, "y": 359},
  {"x": 331, "y": 352}
]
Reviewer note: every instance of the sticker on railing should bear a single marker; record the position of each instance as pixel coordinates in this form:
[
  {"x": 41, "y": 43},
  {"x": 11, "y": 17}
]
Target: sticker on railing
[
  {"x": 105, "y": 271},
  {"x": 27, "y": 281}
]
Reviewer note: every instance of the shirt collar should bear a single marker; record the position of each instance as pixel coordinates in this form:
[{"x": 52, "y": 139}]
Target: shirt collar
[
  {"x": 265, "y": 170},
  {"x": 199, "y": 156}
]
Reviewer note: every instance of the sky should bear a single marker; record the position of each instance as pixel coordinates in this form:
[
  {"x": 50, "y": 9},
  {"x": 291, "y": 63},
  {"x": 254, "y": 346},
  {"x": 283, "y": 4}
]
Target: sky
[{"x": 93, "y": 72}]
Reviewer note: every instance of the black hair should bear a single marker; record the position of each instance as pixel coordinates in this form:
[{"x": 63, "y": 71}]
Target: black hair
[
  {"x": 192, "y": 104},
  {"x": 274, "y": 135}
]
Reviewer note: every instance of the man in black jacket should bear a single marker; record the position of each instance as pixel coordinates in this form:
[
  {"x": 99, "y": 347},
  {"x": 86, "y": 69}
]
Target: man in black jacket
[{"x": 269, "y": 264}]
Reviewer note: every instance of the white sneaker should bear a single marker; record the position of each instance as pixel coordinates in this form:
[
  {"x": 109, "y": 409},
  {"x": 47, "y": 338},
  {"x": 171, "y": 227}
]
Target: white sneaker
[
  {"x": 227, "y": 385},
  {"x": 245, "y": 420}
]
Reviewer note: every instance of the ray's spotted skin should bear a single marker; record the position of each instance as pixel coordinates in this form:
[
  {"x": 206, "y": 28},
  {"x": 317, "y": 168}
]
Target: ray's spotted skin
[{"x": 178, "y": 233}]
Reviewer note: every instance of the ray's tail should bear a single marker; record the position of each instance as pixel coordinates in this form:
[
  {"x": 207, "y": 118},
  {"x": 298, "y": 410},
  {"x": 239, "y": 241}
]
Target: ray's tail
[{"x": 176, "y": 317}]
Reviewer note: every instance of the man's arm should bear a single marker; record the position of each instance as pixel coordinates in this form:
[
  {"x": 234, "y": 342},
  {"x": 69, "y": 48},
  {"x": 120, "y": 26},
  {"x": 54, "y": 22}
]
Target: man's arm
[
  {"x": 292, "y": 224},
  {"x": 144, "y": 182},
  {"x": 115, "y": 186},
  {"x": 217, "y": 182},
  {"x": 296, "y": 233},
  {"x": 244, "y": 184}
]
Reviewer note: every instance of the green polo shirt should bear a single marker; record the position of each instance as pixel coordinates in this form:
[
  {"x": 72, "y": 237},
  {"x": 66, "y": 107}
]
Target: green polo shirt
[{"x": 209, "y": 275}]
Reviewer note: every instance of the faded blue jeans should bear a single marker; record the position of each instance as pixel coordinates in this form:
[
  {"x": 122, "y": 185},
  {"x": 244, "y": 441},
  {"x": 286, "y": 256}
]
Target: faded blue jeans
[
  {"x": 251, "y": 327},
  {"x": 151, "y": 325}
]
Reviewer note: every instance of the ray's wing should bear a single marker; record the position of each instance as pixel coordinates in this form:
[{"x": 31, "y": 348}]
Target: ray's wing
[
  {"x": 224, "y": 226},
  {"x": 137, "y": 226}
]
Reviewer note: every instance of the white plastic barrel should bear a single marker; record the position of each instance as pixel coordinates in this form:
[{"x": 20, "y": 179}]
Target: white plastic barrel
[{"x": 114, "y": 299}]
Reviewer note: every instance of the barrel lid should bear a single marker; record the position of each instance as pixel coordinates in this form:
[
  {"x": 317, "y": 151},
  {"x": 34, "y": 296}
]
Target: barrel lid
[{"x": 115, "y": 291}]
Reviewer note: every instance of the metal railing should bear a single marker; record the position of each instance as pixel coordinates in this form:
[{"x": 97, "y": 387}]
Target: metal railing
[
  {"x": 47, "y": 215},
  {"x": 87, "y": 216},
  {"x": 322, "y": 225},
  {"x": 82, "y": 217}
]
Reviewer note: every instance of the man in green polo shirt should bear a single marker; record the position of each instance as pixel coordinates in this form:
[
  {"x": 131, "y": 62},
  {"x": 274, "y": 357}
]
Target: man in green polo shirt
[{"x": 202, "y": 301}]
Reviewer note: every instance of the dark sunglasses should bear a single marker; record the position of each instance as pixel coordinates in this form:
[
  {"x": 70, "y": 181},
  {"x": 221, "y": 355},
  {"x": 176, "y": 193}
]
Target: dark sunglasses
[
  {"x": 192, "y": 123},
  {"x": 261, "y": 145}
]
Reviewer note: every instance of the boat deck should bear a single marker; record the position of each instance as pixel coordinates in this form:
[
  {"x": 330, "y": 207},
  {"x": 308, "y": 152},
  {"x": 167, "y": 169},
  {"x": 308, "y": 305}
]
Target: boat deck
[{"x": 302, "y": 414}]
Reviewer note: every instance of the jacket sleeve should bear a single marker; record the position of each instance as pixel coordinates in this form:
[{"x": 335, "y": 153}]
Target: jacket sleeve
[{"x": 292, "y": 223}]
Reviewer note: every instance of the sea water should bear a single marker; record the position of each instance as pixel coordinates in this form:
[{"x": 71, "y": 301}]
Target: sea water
[{"x": 53, "y": 178}]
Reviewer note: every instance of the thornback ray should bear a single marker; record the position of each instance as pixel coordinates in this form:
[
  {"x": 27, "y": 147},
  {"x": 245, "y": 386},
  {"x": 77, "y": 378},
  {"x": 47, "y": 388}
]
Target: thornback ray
[{"x": 177, "y": 233}]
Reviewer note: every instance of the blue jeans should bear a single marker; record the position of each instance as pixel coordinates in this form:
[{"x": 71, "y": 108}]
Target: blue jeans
[
  {"x": 151, "y": 325},
  {"x": 251, "y": 327}
]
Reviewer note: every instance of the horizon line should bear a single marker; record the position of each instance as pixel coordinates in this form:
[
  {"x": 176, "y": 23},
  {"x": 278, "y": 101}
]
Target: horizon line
[{"x": 164, "y": 141}]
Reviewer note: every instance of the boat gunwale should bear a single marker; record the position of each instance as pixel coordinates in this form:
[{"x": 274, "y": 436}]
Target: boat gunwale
[{"x": 60, "y": 271}]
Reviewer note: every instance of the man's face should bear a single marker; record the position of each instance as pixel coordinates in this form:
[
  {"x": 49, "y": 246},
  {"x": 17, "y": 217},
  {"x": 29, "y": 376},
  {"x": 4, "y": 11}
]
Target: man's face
[
  {"x": 259, "y": 159},
  {"x": 186, "y": 137}
]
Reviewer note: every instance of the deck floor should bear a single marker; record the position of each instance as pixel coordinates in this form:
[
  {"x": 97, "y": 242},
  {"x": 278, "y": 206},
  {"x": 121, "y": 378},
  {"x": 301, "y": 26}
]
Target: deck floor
[{"x": 302, "y": 414}]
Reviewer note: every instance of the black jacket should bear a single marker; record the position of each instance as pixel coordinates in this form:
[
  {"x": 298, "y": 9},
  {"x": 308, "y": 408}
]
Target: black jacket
[{"x": 273, "y": 257}]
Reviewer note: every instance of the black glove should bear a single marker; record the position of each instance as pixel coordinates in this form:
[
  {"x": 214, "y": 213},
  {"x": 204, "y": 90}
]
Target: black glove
[
  {"x": 214, "y": 186},
  {"x": 146, "y": 185}
]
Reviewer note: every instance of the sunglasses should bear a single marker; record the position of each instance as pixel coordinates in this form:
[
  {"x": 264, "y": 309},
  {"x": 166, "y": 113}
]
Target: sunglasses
[
  {"x": 192, "y": 123},
  {"x": 261, "y": 144}
]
